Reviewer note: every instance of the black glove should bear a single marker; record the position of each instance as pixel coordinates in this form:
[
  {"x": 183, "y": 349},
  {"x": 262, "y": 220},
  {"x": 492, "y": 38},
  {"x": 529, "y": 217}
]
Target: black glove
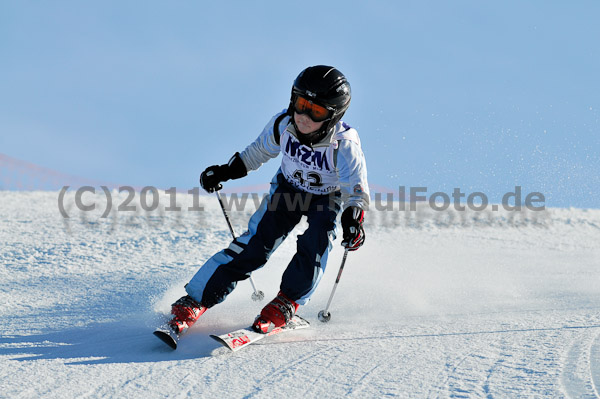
[
  {"x": 213, "y": 176},
  {"x": 352, "y": 226}
]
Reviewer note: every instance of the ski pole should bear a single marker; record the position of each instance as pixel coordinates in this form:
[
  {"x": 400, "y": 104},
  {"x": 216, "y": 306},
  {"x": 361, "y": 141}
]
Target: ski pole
[
  {"x": 324, "y": 315},
  {"x": 257, "y": 295}
]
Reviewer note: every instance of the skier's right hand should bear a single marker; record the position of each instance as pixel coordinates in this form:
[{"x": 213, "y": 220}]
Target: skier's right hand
[{"x": 213, "y": 176}]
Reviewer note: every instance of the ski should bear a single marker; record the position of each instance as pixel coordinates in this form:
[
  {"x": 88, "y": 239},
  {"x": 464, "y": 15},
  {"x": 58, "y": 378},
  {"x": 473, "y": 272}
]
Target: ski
[
  {"x": 167, "y": 335},
  {"x": 239, "y": 339},
  {"x": 234, "y": 340}
]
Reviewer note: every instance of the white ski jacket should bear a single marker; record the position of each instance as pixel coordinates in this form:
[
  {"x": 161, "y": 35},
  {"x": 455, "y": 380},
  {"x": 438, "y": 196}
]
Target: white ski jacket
[{"x": 334, "y": 163}]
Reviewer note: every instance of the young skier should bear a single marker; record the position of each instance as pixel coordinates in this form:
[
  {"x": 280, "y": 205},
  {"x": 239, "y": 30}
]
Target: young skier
[{"x": 322, "y": 170}]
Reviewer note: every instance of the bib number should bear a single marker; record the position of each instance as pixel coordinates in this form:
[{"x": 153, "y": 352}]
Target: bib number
[{"x": 313, "y": 179}]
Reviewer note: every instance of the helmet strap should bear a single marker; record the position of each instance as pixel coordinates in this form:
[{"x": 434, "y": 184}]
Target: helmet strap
[{"x": 311, "y": 138}]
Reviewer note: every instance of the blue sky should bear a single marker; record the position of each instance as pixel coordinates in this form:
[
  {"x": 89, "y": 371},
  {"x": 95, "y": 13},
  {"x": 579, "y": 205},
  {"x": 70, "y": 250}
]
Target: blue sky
[{"x": 477, "y": 95}]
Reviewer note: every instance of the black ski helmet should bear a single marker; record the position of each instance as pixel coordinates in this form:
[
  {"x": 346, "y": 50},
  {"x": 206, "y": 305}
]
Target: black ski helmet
[{"x": 326, "y": 86}]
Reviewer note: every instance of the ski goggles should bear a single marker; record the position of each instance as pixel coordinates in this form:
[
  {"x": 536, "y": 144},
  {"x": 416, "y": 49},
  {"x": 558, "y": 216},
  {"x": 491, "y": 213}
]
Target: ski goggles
[{"x": 316, "y": 112}]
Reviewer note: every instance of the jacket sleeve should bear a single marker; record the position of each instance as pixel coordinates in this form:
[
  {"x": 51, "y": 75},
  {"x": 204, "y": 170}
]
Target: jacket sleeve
[
  {"x": 352, "y": 173},
  {"x": 266, "y": 146}
]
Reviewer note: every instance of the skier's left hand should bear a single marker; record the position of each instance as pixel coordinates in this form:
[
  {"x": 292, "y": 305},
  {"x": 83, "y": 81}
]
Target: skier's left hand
[{"x": 352, "y": 226}]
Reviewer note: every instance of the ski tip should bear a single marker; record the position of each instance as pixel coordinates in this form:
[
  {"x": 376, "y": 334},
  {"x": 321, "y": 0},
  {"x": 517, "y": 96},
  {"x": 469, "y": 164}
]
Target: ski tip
[
  {"x": 166, "y": 338},
  {"x": 221, "y": 341}
]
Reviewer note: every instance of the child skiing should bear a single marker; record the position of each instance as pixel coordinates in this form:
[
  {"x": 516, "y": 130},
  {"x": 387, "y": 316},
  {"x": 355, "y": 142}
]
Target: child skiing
[{"x": 322, "y": 171}]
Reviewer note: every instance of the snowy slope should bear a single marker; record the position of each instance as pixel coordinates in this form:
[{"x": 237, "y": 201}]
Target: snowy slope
[{"x": 436, "y": 304}]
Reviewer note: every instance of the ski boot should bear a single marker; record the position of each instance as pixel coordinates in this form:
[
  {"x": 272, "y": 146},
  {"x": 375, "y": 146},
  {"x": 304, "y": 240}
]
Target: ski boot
[
  {"x": 277, "y": 313},
  {"x": 185, "y": 313}
]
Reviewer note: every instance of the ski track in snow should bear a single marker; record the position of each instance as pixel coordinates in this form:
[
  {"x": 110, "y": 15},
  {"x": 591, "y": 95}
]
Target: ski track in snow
[
  {"x": 435, "y": 305},
  {"x": 581, "y": 372}
]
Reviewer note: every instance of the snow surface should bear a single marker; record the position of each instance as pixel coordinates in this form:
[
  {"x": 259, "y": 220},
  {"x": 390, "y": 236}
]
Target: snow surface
[{"x": 436, "y": 304}]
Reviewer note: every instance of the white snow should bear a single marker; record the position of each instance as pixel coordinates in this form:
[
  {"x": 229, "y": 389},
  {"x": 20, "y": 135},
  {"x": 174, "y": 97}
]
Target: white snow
[{"x": 436, "y": 304}]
